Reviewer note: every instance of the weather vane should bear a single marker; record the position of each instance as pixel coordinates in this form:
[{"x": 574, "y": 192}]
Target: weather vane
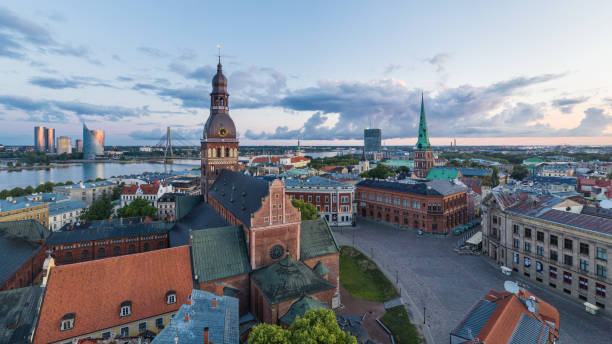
[{"x": 219, "y": 47}]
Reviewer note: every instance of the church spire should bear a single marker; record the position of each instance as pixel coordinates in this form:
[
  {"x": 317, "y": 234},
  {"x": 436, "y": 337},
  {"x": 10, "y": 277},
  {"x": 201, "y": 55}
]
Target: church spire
[{"x": 423, "y": 138}]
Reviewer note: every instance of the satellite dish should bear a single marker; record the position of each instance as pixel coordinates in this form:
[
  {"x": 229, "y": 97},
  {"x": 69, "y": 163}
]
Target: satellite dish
[{"x": 511, "y": 287}]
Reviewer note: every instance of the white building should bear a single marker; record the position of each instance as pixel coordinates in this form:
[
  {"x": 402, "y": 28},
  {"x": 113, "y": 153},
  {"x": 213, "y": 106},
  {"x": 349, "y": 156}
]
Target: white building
[
  {"x": 150, "y": 192},
  {"x": 65, "y": 212}
]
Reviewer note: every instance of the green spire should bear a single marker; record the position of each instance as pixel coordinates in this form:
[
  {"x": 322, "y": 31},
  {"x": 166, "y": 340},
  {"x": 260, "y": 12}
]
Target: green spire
[
  {"x": 423, "y": 139},
  {"x": 298, "y": 148}
]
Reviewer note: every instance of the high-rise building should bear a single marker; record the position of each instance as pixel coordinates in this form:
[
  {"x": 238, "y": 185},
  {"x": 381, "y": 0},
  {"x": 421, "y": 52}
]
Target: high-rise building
[
  {"x": 93, "y": 143},
  {"x": 64, "y": 145},
  {"x": 219, "y": 142},
  {"x": 371, "y": 141},
  {"x": 79, "y": 145},
  {"x": 423, "y": 155},
  {"x": 50, "y": 140},
  {"x": 39, "y": 139}
]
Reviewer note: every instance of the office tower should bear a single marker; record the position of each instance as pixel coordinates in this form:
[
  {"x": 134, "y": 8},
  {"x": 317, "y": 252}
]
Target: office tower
[
  {"x": 64, "y": 145},
  {"x": 79, "y": 145},
  {"x": 39, "y": 139},
  {"x": 93, "y": 143},
  {"x": 50, "y": 140}
]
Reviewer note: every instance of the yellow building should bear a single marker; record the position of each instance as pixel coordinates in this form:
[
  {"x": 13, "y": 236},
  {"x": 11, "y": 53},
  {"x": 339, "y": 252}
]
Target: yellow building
[{"x": 13, "y": 209}]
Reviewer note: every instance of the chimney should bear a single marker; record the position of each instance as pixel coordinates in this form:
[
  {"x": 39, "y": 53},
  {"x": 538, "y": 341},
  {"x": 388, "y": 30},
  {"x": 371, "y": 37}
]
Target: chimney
[
  {"x": 219, "y": 289},
  {"x": 206, "y": 340},
  {"x": 187, "y": 317},
  {"x": 214, "y": 302}
]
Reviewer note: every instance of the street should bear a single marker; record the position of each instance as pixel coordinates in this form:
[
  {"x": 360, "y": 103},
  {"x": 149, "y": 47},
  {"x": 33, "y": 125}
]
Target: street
[{"x": 435, "y": 279}]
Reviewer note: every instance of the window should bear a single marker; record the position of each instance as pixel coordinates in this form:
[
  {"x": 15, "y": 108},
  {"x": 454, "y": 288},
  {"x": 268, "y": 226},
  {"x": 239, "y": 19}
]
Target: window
[
  {"x": 160, "y": 245},
  {"x": 101, "y": 252},
  {"x": 132, "y": 249},
  {"x": 67, "y": 321},
  {"x": 84, "y": 254},
  {"x": 318, "y": 199},
  {"x": 527, "y": 232},
  {"x": 142, "y": 327},
  {"x": 540, "y": 236},
  {"x": 327, "y": 209},
  {"x": 171, "y": 297},
  {"x": 494, "y": 220},
  {"x": 527, "y": 247},
  {"x": 515, "y": 258},
  {"x": 584, "y": 249},
  {"x": 567, "y": 277},
  {"x": 553, "y": 272},
  {"x": 516, "y": 242},
  {"x": 125, "y": 308},
  {"x": 540, "y": 250},
  {"x": 68, "y": 257},
  {"x": 568, "y": 244},
  {"x": 159, "y": 323},
  {"x": 600, "y": 290},
  {"x": 387, "y": 199},
  {"x": 527, "y": 262},
  {"x": 106, "y": 335},
  {"x": 309, "y": 198},
  {"x": 602, "y": 254},
  {"x": 116, "y": 251},
  {"x": 147, "y": 247},
  {"x": 601, "y": 271},
  {"x": 554, "y": 256},
  {"x": 553, "y": 240},
  {"x": 583, "y": 283},
  {"x": 567, "y": 259},
  {"x": 124, "y": 332},
  {"x": 515, "y": 229},
  {"x": 584, "y": 265},
  {"x": 539, "y": 267}
]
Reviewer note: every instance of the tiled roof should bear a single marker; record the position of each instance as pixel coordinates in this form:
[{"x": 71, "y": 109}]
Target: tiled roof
[
  {"x": 239, "y": 194},
  {"x": 99, "y": 233},
  {"x": 221, "y": 321},
  {"x": 315, "y": 182},
  {"x": 582, "y": 221},
  {"x": 26, "y": 229},
  {"x": 146, "y": 189},
  {"x": 475, "y": 320},
  {"x": 288, "y": 279},
  {"x": 529, "y": 331},
  {"x": 300, "y": 307},
  {"x": 18, "y": 314},
  {"x": 17, "y": 204},
  {"x": 476, "y": 172},
  {"x": 87, "y": 185},
  {"x": 316, "y": 239},
  {"x": 65, "y": 206},
  {"x": 14, "y": 253},
  {"x": 429, "y": 188},
  {"x": 321, "y": 269},
  {"x": 202, "y": 216},
  {"x": 219, "y": 253},
  {"x": 443, "y": 173},
  {"x": 94, "y": 291}
]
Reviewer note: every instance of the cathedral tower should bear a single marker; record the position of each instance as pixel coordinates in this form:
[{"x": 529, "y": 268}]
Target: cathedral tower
[
  {"x": 423, "y": 155},
  {"x": 219, "y": 143}
]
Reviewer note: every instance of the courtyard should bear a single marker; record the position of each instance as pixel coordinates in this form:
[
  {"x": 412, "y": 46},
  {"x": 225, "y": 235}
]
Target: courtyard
[{"x": 435, "y": 280}]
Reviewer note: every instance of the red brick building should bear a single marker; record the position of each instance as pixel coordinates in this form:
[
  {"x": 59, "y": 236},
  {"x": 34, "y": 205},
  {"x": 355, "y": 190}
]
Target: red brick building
[{"x": 435, "y": 206}]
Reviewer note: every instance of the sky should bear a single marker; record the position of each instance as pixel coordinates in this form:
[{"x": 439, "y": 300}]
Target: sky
[{"x": 490, "y": 72}]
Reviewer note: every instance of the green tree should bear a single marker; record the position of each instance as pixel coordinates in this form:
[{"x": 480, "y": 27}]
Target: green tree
[
  {"x": 4, "y": 194},
  {"x": 16, "y": 192},
  {"x": 380, "y": 172},
  {"x": 9, "y": 164},
  {"x": 117, "y": 191},
  {"x": 29, "y": 190},
  {"x": 308, "y": 210},
  {"x": 98, "y": 210},
  {"x": 494, "y": 178},
  {"x": 136, "y": 208},
  {"x": 519, "y": 172},
  {"x": 316, "y": 327},
  {"x": 609, "y": 175}
]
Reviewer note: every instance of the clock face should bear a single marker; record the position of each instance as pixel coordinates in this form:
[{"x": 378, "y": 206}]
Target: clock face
[
  {"x": 276, "y": 252},
  {"x": 222, "y": 132}
]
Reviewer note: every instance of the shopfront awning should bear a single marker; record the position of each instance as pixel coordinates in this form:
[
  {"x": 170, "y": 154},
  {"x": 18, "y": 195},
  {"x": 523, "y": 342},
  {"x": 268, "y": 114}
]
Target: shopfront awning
[{"x": 475, "y": 239}]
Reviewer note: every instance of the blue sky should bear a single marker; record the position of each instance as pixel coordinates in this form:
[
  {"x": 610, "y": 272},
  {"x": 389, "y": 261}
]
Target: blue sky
[{"x": 492, "y": 72}]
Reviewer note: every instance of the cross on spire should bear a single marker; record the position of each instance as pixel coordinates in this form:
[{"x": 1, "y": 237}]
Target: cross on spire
[{"x": 219, "y": 47}]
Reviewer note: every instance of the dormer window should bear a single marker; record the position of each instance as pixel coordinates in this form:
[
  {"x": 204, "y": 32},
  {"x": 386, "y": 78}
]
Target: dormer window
[
  {"x": 67, "y": 322},
  {"x": 171, "y": 297},
  {"x": 125, "y": 308}
]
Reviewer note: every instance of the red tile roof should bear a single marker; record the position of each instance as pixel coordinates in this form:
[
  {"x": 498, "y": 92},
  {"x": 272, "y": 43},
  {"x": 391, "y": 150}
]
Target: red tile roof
[
  {"x": 600, "y": 182},
  {"x": 147, "y": 189},
  {"x": 94, "y": 290}
]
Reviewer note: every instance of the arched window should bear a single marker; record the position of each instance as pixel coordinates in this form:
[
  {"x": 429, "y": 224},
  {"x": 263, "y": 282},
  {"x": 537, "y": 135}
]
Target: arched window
[
  {"x": 171, "y": 297},
  {"x": 101, "y": 252},
  {"x": 68, "y": 257},
  {"x": 85, "y": 254},
  {"x": 146, "y": 247},
  {"x": 160, "y": 245},
  {"x": 116, "y": 251},
  {"x": 125, "y": 308},
  {"x": 67, "y": 321},
  {"x": 227, "y": 152},
  {"x": 218, "y": 152},
  {"x": 132, "y": 249}
]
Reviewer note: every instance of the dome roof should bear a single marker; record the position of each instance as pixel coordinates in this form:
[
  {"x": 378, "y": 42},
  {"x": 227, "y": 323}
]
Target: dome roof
[
  {"x": 219, "y": 81},
  {"x": 219, "y": 126}
]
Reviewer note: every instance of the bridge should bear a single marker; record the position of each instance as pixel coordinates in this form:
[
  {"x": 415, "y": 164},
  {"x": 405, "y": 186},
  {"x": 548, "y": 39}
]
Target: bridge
[{"x": 166, "y": 142}]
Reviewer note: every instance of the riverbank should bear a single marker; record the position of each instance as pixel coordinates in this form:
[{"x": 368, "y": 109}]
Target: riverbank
[{"x": 38, "y": 167}]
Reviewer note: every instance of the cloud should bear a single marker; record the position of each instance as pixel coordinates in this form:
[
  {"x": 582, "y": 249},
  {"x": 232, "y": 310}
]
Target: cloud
[
  {"x": 56, "y": 110},
  {"x": 595, "y": 123},
  {"x": 180, "y": 136},
  {"x": 464, "y": 111},
  {"x": 153, "y": 52},
  {"x": 125, "y": 78},
  {"x": 439, "y": 61},
  {"x": 392, "y": 68},
  {"x": 566, "y": 105},
  {"x": 72, "y": 82}
]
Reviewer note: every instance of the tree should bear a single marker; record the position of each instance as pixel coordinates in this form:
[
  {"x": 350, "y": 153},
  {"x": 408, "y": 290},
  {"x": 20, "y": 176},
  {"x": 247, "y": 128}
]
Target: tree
[
  {"x": 316, "y": 327},
  {"x": 494, "y": 178},
  {"x": 609, "y": 176},
  {"x": 138, "y": 207},
  {"x": 380, "y": 172},
  {"x": 519, "y": 172},
  {"x": 117, "y": 191},
  {"x": 98, "y": 210},
  {"x": 9, "y": 164},
  {"x": 29, "y": 190},
  {"x": 308, "y": 210}
]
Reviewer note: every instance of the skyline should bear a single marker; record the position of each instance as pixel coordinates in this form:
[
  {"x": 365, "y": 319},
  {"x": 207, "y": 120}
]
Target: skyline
[{"x": 528, "y": 76}]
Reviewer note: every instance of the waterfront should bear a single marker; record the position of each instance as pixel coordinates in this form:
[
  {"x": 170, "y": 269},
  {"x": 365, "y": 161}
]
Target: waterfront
[{"x": 84, "y": 171}]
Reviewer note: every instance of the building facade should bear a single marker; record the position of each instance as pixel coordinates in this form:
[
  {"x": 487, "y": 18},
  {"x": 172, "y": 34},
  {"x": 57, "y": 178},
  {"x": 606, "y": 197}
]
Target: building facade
[
  {"x": 423, "y": 155},
  {"x": 64, "y": 145},
  {"x": 50, "y": 140},
  {"x": 150, "y": 192},
  {"x": 86, "y": 192},
  {"x": 79, "y": 145},
  {"x": 434, "y": 206},
  {"x": 333, "y": 200},
  {"x": 14, "y": 209},
  {"x": 65, "y": 213},
  {"x": 372, "y": 141},
  {"x": 93, "y": 143},
  {"x": 558, "y": 243},
  {"x": 219, "y": 145},
  {"x": 40, "y": 142}
]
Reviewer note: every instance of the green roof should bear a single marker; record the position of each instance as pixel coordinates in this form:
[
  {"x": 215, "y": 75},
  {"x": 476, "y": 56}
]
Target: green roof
[
  {"x": 423, "y": 139},
  {"x": 442, "y": 173},
  {"x": 321, "y": 269},
  {"x": 300, "y": 307},
  {"x": 219, "y": 252},
  {"x": 26, "y": 229},
  {"x": 316, "y": 239},
  {"x": 399, "y": 163},
  {"x": 18, "y": 314},
  {"x": 533, "y": 161},
  {"x": 288, "y": 279}
]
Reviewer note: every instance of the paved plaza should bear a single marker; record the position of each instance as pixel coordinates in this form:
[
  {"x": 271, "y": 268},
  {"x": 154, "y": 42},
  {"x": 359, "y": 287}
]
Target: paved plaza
[{"x": 433, "y": 276}]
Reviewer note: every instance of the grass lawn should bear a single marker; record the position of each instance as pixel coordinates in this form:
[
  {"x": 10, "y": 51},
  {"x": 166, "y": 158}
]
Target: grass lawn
[
  {"x": 362, "y": 278},
  {"x": 396, "y": 319}
]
